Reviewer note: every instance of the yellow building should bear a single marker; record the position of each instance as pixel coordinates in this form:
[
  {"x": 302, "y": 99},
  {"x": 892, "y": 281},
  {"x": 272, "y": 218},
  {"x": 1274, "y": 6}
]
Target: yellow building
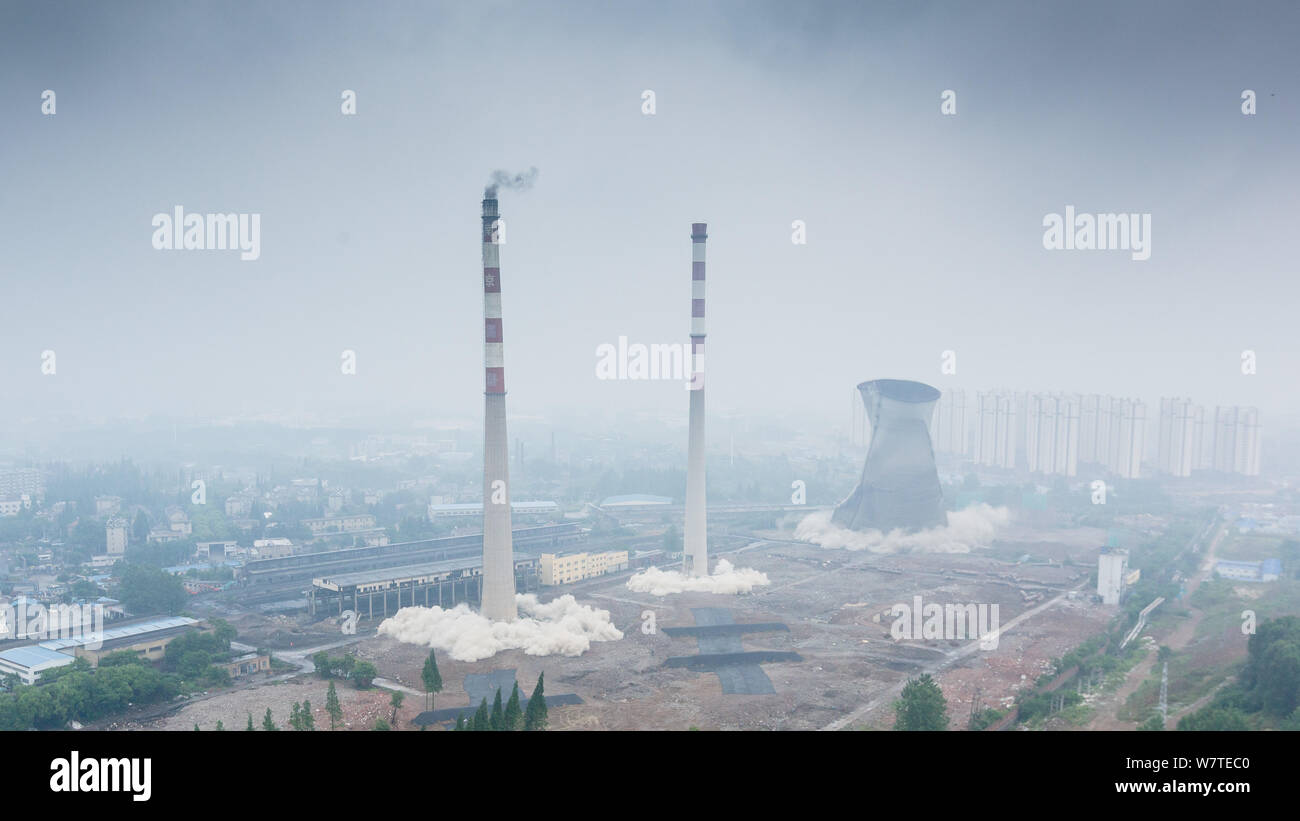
[{"x": 563, "y": 568}]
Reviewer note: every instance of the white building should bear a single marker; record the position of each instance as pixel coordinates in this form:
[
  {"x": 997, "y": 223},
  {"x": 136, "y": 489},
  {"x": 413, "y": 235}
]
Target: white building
[
  {"x": 949, "y": 431},
  {"x": 1051, "y": 434},
  {"x": 1178, "y": 448},
  {"x": 995, "y": 429},
  {"x": 1236, "y": 440},
  {"x": 116, "y": 536},
  {"x": 1112, "y": 570}
]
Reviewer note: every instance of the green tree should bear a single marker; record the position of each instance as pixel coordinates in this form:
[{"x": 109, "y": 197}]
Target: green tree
[
  {"x": 322, "y": 662},
  {"x": 432, "y": 681},
  {"x": 514, "y": 715},
  {"x": 364, "y": 674},
  {"x": 249, "y": 728},
  {"x": 147, "y": 591},
  {"x": 196, "y": 727},
  {"x": 922, "y": 706},
  {"x": 1215, "y": 719},
  {"x": 294, "y": 716},
  {"x": 535, "y": 717},
  {"x": 220, "y": 726},
  {"x": 306, "y": 718},
  {"x": 396, "y": 700},
  {"x": 498, "y": 720},
  {"x": 140, "y": 530},
  {"x": 333, "y": 707},
  {"x": 1153, "y": 724},
  {"x": 267, "y": 723},
  {"x": 480, "y": 717},
  {"x": 381, "y": 724}
]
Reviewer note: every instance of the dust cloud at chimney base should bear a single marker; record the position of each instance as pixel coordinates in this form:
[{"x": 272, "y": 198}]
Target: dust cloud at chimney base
[{"x": 558, "y": 628}]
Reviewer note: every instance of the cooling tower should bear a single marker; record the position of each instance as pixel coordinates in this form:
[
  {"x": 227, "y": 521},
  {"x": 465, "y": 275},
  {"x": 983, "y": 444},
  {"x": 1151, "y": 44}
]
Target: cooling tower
[
  {"x": 900, "y": 485},
  {"x": 695, "y": 549},
  {"x": 498, "y": 599}
]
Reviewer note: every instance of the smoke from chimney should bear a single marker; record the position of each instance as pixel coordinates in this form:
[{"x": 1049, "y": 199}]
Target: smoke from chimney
[{"x": 515, "y": 182}]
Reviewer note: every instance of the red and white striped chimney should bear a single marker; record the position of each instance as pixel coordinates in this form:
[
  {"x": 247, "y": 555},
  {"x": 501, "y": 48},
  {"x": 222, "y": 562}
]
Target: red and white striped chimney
[
  {"x": 695, "y": 558},
  {"x": 498, "y": 588}
]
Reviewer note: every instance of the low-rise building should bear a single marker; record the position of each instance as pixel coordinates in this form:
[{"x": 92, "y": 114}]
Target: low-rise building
[
  {"x": 563, "y": 568},
  {"x": 216, "y": 550},
  {"x": 272, "y": 548},
  {"x": 340, "y": 524},
  {"x": 247, "y": 664}
]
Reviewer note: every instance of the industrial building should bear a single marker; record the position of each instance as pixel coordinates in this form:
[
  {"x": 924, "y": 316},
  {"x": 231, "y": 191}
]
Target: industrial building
[
  {"x": 900, "y": 483},
  {"x": 381, "y": 592},
  {"x": 304, "y": 567},
  {"x": 1268, "y": 570},
  {"x": 148, "y": 639},
  {"x": 440, "y": 511},
  {"x": 563, "y": 568},
  {"x": 340, "y": 524}
]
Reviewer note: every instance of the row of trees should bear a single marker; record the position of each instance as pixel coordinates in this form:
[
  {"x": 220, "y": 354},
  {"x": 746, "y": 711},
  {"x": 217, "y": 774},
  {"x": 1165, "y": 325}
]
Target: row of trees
[{"x": 509, "y": 717}]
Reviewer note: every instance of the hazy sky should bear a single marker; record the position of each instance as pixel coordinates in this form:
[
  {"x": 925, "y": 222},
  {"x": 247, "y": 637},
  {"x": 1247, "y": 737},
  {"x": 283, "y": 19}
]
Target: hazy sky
[{"x": 924, "y": 231}]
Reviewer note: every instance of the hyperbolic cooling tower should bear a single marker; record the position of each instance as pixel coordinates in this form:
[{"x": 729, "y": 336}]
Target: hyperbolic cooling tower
[
  {"x": 498, "y": 599},
  {"x": 695, "y": 549},
  {"x": 900, "y": 485}
]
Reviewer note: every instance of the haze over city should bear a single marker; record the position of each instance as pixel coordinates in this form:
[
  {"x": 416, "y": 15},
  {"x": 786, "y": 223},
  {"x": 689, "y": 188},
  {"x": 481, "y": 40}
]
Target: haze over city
[{"x": 578, "y": 366}]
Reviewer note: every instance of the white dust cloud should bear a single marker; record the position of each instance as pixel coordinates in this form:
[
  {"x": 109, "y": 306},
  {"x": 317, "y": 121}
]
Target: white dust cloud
[
  {"x": 559, "y": 628},
  {"x": 974, "y": 526},
  {"x": 725, "y": 580}
]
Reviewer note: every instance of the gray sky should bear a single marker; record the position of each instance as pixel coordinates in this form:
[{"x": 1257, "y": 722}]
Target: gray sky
[{"x": 924, "y": 231}]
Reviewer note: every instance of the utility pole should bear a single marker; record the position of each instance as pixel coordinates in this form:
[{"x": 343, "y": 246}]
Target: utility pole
[{"x": 1164, "y": 696}]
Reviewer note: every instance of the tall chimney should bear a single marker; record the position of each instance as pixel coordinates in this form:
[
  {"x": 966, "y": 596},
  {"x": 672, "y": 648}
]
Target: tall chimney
[
  {"x": 498, "y": 598},
  {"x": 695, "y": 559}
]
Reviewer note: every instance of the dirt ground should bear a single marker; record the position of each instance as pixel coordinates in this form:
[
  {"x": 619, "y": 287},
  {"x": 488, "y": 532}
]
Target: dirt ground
[{"x": 836, "y": 604}]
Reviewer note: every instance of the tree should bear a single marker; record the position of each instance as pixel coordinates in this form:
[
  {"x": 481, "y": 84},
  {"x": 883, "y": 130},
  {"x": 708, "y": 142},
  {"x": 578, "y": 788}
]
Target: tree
[
  {"x": 140, "y": 530},
  {"x": 267, "y": 723},
  {"x": 333, "y": 707},
  {"x": 306, "y": 718},
  {"x": 295, "y": 721},
  {"x": 1212, "y": 718},
  {"x": 535, "y": 714},
  {"x": 922, "y": 706},
  {"x": 1153, "y": 724},
  {"x": 514, "y": 715},
  {"x": 220, "y": 726},
  {"x": 322, "y": 662},
  {"x": 146, "y": 590},
  {"x": 396, "y": 700},
  {"x": 461, "y": 724},
  {"x": 249, "y": 728},
  {"x": 432, "y": 681},
  {"x": 480, "y": 717},
  {"x": 196, "y": 727},
  {"x": 381, "y": 724},
  {"x": 498, "y": 719},
  {"x": 364, "y": 674}
]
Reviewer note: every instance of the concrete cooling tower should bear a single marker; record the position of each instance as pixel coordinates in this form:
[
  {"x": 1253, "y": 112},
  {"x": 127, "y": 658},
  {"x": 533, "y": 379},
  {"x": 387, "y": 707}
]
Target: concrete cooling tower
[{"x": 900, "y": 485}]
